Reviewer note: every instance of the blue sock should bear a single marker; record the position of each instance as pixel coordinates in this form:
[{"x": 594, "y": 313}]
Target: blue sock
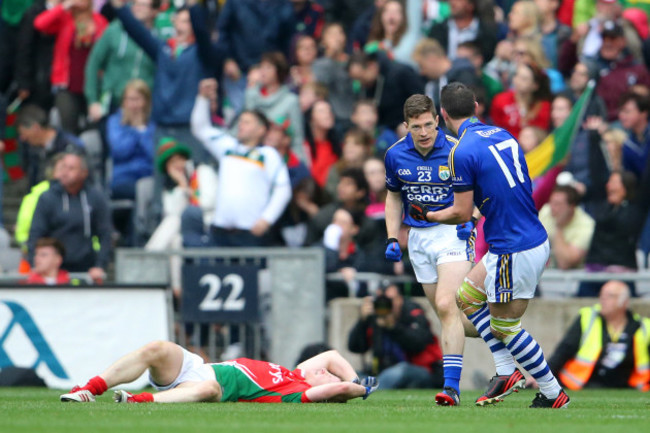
[
  {"x": 453, "y": 366},
  {"x": 529, "y": 355},
  {"x": 503, "y": 360}
]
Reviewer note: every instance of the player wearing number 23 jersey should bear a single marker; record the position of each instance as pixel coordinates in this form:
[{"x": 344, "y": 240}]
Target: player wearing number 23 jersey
[{"x": 511, "y": 222}]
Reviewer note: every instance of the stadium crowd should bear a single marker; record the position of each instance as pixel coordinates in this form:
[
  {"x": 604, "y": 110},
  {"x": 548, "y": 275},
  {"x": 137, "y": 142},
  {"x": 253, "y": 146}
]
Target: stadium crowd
[{"x": 112, "y": 122}]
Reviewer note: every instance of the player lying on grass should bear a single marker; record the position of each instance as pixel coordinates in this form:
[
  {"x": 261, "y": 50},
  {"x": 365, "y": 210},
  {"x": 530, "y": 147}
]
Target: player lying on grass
[{"x": 182, "y": 377}]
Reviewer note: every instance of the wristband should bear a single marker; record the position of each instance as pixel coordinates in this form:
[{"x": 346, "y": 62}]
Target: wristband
[
  {"x": 473, "y": 220},
  {"x": 391, "y": 240}
]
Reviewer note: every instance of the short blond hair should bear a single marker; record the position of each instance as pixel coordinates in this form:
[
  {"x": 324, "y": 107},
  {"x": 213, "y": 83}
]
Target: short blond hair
[{"x": 428, "y": 46}]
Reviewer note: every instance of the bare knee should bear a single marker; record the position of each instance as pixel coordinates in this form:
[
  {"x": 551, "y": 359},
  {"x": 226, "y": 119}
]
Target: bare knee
[
  {"x": 154, "y": 351},
  {"x": 446, "y": 306},
  {"x": 209, "y": 390}
]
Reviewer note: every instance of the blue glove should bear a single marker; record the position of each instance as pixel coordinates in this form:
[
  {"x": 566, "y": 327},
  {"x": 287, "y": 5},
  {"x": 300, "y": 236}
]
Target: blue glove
[
  {"x": 371, "y": 383},
  {"x": 393, "y": 251},
  {"x": 464, "y": 230}
]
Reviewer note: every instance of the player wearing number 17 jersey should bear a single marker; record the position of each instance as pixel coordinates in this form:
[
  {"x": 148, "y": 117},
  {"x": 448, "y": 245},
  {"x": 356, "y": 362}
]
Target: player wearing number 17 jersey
[{"x": 489, "y": 170}]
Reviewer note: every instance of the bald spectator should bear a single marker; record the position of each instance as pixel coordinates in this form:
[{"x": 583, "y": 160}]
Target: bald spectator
[
  {"x": 606, "y": 346},
  {"x": 74, "y": 212}
]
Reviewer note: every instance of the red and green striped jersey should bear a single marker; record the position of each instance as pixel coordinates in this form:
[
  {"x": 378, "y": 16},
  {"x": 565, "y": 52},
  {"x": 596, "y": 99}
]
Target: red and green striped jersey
[{"x": 247, "y": 380}]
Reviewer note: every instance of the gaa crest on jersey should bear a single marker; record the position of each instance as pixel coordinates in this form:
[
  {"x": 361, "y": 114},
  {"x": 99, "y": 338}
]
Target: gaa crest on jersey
[{"x": 444, "y": 173}]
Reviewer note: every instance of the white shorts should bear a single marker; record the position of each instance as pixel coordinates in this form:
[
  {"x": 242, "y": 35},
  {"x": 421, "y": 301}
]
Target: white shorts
[
  {"x": 514, "y": 276},
  {"x": 192, "y": 370},
  {"x": 432, "y": 246}
]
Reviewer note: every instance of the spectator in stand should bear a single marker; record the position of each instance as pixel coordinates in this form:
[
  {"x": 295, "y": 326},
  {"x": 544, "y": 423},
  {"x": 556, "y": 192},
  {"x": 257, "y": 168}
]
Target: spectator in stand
[
  {"x": 530, "y": 137},
  {"x": 633, "y": 115},
  {"x": 310, "y": 93},
  {"x": 360, "y": 30},
  {"x": 247, "y": 29},
  {"x": 330, "y": 70},
  {"x": 352, "y": 195},
  {"x": 577, "y": 84},
  {"x": 309, "y": 17},
  {"x": 342, "y": 254},
  {"x": 364, "y": 116},
  {"x": 375, "y": 172},
  {"x": 34, "y": 52},
  {"x": 130, "y": 133},
  {"x": 527, "y": 104},
  {"x": 387, "y": 83},
  {"x": 74, "y": 212},
  {"x": 470, "y": 20},
  {"x": 472, "y": 52},
  {"x": 184, "y": 186},
  {"x": 29, "y": 202},
  {"x": 530, "y": 50},
  {"x": 357, "y": 147},
  {"x": 274, "y": 99},
  {"x": 619, "y": 209},
  {"x": 47, "y": 264},
  {"x": 438, "y": 70},
  {"x": 44, "y": 141},
  {"x": 130, "y": 136},
  {"x": 305, "y": 54},
  {"x": 554, "y": 33},
  {"x": 180, "y": 63},
  {"x": 616, "y": 67},
  {"x": 254, "y": 187},
  {"x": 569, "y": 228},
  {"x": 321, "y": 141},
  {"x": 524, "y": 20},
  {"x": 77, "y": 29},
  {"x": 293, "y": 223},
  {"x": 347, "y": 12},
  {"x": 607, "y": 346},
  {"x": 115, "y": 60},
  {"x": 396, "y": 30},
  {"x": 405, "y": 353}
]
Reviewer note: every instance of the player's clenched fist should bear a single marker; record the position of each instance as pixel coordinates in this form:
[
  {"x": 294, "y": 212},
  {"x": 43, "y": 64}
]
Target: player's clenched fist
[
  {"x": 418, "y": 210},
  {"x": 393, "y": 251}
]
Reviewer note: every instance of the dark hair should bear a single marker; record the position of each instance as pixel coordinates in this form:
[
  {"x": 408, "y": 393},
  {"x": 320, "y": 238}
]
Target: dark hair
[
  {"x": 32, "y": 114},
  {"x": 417, "y": 105},
  {"x": 360, "y": 136},
  {"x": 155, "y": 4},
  {"x": 642, "y": 102},
  {"x": 377, "y": 32},
  {"x": 363, "y": 59},
  {"x": 333, "y": 136},
  {"x": 357, "y": 176},
  {"x": 51, "y": 242},
  {"x": 457, "y": 100},
  {"x": 261, "y": 117},
  {"x": 629, "y": 181},
  {"x": 277, "y": 59},
  {"x": 572, "y": 196},
  {"x": 472, "y": 46},
  {"x": 312, "y": 350},
  {"x": 543, "y": 92}
]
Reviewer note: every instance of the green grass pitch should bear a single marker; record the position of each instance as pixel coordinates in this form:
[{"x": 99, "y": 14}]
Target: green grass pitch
[{"x": 39, "y": 410}]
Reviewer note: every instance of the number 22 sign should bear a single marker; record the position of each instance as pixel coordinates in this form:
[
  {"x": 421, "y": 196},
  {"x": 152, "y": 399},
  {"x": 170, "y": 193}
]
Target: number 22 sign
[{"x": 220, "y": 293}]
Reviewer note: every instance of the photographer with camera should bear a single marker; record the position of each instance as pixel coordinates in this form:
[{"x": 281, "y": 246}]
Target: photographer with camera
[{"x": 405, "y": 353}]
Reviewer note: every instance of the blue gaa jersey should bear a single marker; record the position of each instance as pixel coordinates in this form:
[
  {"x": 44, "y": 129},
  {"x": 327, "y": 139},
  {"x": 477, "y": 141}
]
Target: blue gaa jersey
[
  {"x": 425, "y": 178},
  {"x": 489, "y": 161}
]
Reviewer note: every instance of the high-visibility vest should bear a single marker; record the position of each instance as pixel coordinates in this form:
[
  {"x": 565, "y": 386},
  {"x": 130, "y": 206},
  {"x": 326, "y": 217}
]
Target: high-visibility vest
[{"x": 577, "y": 371}]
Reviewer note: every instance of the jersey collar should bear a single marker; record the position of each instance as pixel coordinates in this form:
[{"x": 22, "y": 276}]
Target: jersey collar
[
  {"x": 466, "y": 124},
  {"x": 437, "y": 143}
]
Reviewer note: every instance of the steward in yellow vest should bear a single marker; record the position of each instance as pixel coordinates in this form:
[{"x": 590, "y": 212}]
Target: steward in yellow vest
[{"x": 607, "y": 346}]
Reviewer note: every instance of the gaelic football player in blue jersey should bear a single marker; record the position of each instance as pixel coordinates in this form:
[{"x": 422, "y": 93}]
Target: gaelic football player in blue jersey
[
  {"x": 416, "y": 169},
  {"x": 489, "y": 171}
]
